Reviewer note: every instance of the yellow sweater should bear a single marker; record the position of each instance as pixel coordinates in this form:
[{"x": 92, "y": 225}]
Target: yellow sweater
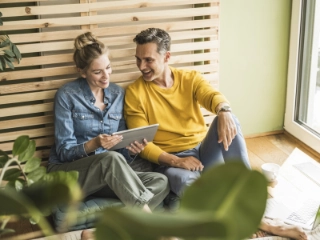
[{"x": 176, "y": 109}]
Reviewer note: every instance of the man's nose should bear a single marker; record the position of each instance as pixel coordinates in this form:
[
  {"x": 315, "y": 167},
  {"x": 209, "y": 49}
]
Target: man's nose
[{"x": 142, "y": 65}]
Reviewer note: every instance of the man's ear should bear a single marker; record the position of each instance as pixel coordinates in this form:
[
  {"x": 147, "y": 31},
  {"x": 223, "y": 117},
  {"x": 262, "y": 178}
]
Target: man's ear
[{"x": 167, "y": 56}]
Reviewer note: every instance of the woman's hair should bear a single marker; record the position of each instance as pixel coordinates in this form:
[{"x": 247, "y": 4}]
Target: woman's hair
[
  {"x": 87, "y": 48},
  {"x": 154, "y": 35}
]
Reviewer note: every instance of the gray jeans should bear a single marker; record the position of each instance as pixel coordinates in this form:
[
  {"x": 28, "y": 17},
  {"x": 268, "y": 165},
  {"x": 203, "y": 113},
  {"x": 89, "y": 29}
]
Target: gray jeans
[
  {"x": 108, "y": 175},
  {"x": 210, "y": 153}
]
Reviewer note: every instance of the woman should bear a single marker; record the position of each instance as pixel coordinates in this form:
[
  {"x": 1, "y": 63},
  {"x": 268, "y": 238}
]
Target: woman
[{"x": 87, "y": 111}]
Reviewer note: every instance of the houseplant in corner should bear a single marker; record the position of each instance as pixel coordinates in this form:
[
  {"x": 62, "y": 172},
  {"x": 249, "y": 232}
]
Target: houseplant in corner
[
  {"x": 30, "y": 192},
  {"x": 9, "y": 52}
]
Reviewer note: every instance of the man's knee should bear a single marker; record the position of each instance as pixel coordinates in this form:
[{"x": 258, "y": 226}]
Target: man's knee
[{"x": 179, "y": 182}]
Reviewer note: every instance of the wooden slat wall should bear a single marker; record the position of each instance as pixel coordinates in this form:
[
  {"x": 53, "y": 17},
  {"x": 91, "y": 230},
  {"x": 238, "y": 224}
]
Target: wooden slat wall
[{"x": 45, "y": 39}]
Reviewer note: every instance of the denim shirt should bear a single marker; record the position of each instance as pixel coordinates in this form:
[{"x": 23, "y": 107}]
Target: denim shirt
[{"x": 77, "y": 120}]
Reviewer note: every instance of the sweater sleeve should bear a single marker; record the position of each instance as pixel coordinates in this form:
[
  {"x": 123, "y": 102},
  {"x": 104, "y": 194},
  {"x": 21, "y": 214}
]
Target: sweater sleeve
[
  {"x": 135, "y": 116},
  {"x": 206, "y": 95}
]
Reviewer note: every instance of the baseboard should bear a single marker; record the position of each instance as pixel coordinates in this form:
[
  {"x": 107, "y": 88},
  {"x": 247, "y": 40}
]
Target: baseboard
[
  {"x": 303, "y": 145},
  {"x": 264, "y": 134}
]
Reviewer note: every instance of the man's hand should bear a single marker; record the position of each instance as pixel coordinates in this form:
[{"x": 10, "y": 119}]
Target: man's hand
[
  {"x": 136, "y": 147},
  {"x": 189, "y": 163},
  {"x": 108, "y": 141},
  {"x": 227, "y": 129}
]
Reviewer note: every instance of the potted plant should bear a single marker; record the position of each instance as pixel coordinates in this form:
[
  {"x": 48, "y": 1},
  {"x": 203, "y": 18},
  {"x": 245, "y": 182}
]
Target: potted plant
[
  {"x": 9, "y": 52},
  {"x": 30, "y": 192}
]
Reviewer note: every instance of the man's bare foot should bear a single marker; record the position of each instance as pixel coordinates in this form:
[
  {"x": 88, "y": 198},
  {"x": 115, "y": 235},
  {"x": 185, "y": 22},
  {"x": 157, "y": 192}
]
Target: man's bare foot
[
  {"x": 87, "y": 235},
  {"x": 279, "y": 228},
  {"x": 259, "y": 234}
]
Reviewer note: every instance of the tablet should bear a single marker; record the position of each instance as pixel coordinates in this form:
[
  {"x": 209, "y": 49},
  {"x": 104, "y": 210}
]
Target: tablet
[{"x": 136, "y": 134}]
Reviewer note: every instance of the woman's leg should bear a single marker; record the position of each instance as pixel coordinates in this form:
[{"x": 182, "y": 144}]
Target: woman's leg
[
  {"x": 156, "y": 183},
  {"x": 212, "y": 153},
  {"x": 108, "y": 169}
]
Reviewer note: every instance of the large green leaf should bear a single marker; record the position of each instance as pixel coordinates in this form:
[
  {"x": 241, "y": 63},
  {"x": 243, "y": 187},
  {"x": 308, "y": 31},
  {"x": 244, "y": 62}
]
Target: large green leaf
[
  {"x": 32, "y": 164},
  {"x": 226, "y": 202},
  {"x": 138, "y": 225},
  {"x": 18, "y": 204},
  {"x": 12, "y": 174},
  {"x": 53, "y": 192},
  {"x": 20, "y": 145},
  {"x": 232, "y": 192},
  {"x": 37, "y": 174},
  {"x": 15, "y": 203},
  {"x": 29, "y": 151}
]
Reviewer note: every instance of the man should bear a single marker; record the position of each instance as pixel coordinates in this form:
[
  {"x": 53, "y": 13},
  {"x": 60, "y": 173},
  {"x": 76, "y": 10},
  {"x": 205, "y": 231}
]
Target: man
[{"x": 183, "y": 146}]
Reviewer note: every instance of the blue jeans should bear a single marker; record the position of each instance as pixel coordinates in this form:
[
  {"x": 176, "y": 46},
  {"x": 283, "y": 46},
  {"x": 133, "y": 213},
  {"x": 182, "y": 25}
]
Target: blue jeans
[{"x": 210, "y": 153}]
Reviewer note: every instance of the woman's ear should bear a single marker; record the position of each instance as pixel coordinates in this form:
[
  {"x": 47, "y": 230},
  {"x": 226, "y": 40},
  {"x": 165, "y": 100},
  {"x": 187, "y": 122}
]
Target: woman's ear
[{"x": 82, "y": 73}]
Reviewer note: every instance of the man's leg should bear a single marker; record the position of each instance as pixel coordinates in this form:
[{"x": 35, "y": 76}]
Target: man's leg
[
  {"x": 212, "y": 153},
  {"x": 178, "y": 178}
]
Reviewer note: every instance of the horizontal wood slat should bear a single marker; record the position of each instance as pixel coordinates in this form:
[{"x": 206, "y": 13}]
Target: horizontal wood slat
[
  {"x": 111, "y": 31},
  {"x": 26, "y": 122},
  {"x": 45, "y": 38},
  {"x": 94, "y": 7},
  {"x": 109, "y": 18},
  {"x": 33, "y": 133}
]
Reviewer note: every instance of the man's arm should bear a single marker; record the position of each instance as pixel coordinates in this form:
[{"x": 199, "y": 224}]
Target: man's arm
[{"x": 189, "y": 163}]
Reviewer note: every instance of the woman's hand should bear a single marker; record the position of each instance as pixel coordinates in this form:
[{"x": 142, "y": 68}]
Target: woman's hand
[
  {"x": 108, "y": 141},
  {"x": 136, "y": 147}
]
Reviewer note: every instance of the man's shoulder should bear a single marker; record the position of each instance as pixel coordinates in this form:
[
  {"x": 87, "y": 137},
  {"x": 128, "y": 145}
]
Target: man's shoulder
[
  {"x": 185, "y": 74},
  {"x": 138, "y": 83}
]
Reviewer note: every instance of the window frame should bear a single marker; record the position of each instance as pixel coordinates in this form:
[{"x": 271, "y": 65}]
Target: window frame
[{"x": 291, "y": 125}]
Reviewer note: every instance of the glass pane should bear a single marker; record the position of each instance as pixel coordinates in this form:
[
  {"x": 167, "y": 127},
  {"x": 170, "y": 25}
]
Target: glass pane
[{"x": 308, "y": 91}]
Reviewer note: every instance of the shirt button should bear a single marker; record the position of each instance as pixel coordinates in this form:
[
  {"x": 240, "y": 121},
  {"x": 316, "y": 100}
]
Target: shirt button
[
  {"x": 82, "y": 117},
  {"x": 101, "y": 121}
]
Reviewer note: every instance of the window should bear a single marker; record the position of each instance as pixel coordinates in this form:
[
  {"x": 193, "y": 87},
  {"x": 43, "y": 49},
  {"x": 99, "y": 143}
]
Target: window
[{"x": 302, "y": 117}]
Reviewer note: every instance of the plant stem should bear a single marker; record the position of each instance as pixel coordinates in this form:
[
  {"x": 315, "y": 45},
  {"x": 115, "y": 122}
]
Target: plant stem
[
  {"x": 4, "y": 169},
  {"x": 4, "y": 222}
]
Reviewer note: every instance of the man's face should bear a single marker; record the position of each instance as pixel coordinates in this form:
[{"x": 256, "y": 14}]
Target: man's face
[{"x": 151, "y": 63}]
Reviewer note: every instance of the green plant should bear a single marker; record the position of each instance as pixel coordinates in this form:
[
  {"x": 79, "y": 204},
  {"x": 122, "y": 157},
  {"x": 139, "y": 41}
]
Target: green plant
[
  {"x": 31, "y": 192},
  {"x": 226, "y": 202},
  {"x": 8, "y": 53}
]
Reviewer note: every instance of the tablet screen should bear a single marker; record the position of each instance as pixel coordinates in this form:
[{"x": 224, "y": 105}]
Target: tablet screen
[{"x": 135, "y": 134}]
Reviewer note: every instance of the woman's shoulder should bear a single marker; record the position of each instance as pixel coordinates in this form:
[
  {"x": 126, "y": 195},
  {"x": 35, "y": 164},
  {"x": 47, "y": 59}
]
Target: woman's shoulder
[
  {"x": 115, "y": 88},
  {"x": 68, "y": 88}
]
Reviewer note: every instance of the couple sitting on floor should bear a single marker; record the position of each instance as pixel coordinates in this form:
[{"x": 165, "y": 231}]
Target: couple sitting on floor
[{"x": 88, "y": 110}]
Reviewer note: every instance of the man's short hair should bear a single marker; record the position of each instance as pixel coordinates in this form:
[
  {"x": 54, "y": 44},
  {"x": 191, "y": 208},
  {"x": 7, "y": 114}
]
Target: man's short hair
[{"x": 154, "y": 35}]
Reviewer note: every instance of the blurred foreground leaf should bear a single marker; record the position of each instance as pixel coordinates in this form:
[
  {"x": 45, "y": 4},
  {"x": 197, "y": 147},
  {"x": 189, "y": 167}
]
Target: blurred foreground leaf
[{"x": 226, "y": 202}]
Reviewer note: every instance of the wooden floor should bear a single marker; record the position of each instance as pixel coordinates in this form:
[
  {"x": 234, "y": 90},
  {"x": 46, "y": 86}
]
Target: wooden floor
[
  {"x": 272, "y": 148},
  {"x": 275, "y": 148}
]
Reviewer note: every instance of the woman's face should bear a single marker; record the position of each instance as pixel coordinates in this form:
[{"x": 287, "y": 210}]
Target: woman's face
[{"x": 98, "y": 73}]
